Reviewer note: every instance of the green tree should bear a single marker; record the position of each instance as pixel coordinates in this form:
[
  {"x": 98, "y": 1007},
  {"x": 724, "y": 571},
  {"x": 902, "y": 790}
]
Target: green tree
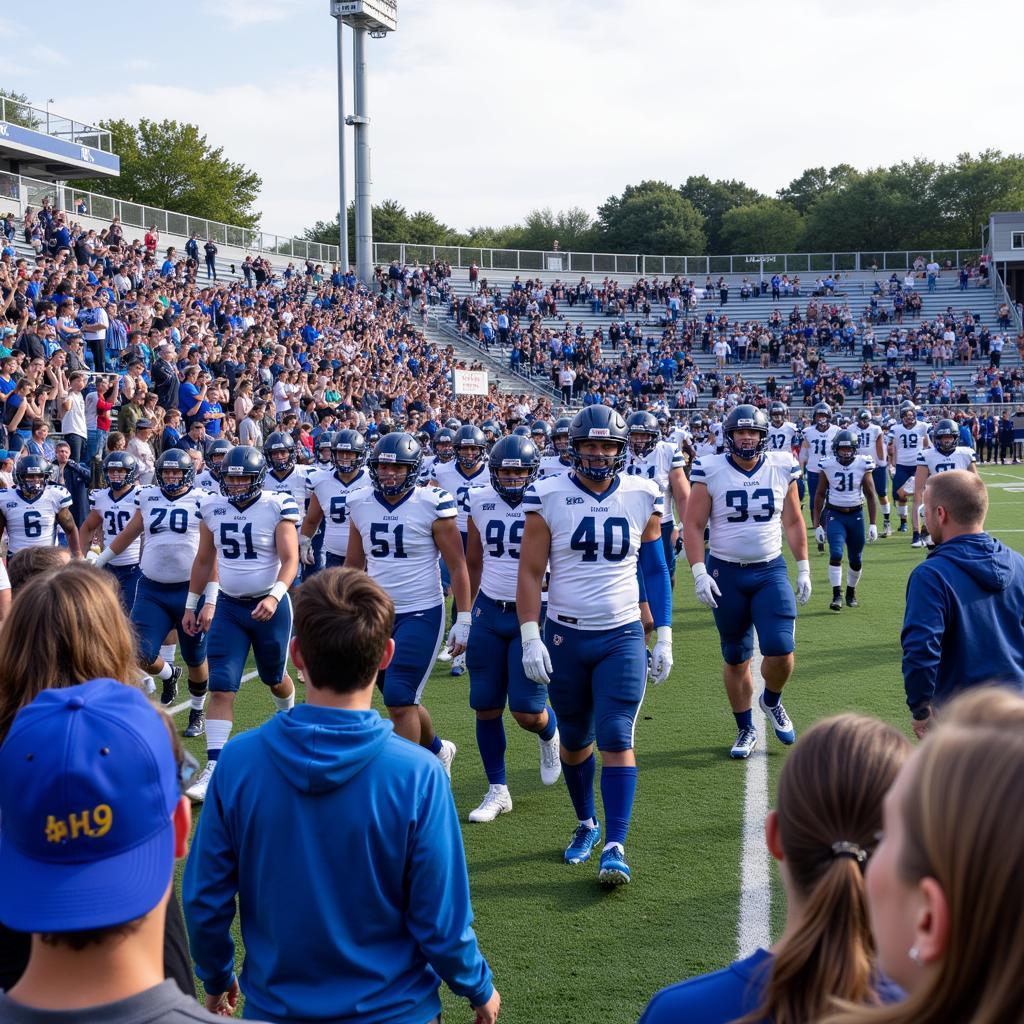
[
  {"x": 815, "y": 182},
  {"x": 867, "y": 214},
  {"x": 713, "y": 199},
  {"x": 968, "y": 190},
  {"x": 651, "y": 217},
  {"x": 17, "y": 110},
  {"x": 171, "y": 166},
  {"x": 768, "y": 226}
]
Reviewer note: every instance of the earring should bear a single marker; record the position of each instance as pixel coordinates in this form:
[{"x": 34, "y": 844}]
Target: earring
[{"x": 915, "y": 956}]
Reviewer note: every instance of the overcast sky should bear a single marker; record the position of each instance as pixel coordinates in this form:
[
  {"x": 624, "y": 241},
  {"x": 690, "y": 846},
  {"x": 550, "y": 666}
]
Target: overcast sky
[{"x": 484, "y": 109}]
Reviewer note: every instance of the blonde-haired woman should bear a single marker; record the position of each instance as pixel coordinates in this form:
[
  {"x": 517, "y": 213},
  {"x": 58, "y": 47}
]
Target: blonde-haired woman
[
  {"x": 822, "y": 833},
  {"x": 945, "y": 888}
]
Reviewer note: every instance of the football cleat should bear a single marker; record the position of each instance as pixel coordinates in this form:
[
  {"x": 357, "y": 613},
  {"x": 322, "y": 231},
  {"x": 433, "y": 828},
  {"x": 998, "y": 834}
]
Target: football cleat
[
  {"x": 497, "y": 801},
  {"x": 902, "y": 527},
  {"x": 851, "y": 598},
  {"x": 836, "y": 604},
  {"x": 821, "y": 548},
  {"x": 550, "y": 762},
  {"x": 582, "y": 844},
  {"x": 887, "y": 530},
  {"x": 746, "y": 740},
  {"x": 170, "y": 687},
  {"x": 446, "y": 755},
  {"x": 197, "y": 791},
  {"x": 445, "y": 655},
  {"x": 458, "y": 665},
  {"x": 917, "y": 542},
  {"x": 196, "y": 723},
  {"x": 614, "y": 869},
  {"x": 784, "y": 731}
]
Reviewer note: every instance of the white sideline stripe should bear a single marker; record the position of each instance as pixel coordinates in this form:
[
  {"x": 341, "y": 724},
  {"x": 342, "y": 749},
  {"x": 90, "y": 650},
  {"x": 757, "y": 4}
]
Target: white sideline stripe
[
  {"x": 184, "y": 704},
  {"x": 754, "y": 929}
]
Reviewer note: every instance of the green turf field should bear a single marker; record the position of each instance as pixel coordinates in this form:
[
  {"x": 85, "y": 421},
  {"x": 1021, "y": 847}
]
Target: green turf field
[{"x": 563, "y": 948}]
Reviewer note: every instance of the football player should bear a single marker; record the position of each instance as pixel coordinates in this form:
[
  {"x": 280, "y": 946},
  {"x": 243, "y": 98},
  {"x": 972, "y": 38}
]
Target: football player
[
  {"x": 540, "y": 434},
  {"x": 467, "y": 470},
  {"x": 596, "y": 525},
  {"x": 248, "y": 556},
  {"x": 909, "y": 437},
  {"x": 560, "y": 460},
  {"x": 749, "y": 496},
  {"x": 444, "y": 452},
  {"x": 208, "y": 479},
  {"x": 330, "y": 492},
  {"x": 817, "y": 444},
  {"x": 704, "y": 442},
  {"x": 396, "y": 533},
  {"x": 34, "y": 508},
  {"x": 110, "y": 511},
  {"x": 491, "y": 432},
  {"x": 495, "y": 653},
  {"x": 323, "y": 462},
  {"x": 871, "y": 442},
  {"x": 782, "y": 432},
  {"x": 946, "y": 454},
  {"x": 845, "y": 479},
  {"x": 167, "y": 515}
]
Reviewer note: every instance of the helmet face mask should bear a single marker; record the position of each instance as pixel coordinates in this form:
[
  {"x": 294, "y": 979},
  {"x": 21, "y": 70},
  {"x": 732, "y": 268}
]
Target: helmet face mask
[
  {"x": 470, "y": 456},
  {"x": 753, "y": 424},
  {"x": 698, "y": 428},
  {"x": 560, "y": 436},
  {"x": 120, "y": 470},
  {"x": 443, "y": 451},
  {"x": 348, "y": 451},
  {"x": 392, "y": 454},
  {"x": 31, "y": 475},
  {"x": 513, "y": 463},
  {"x": 174, "y": 463},
  {"x": 947, "y": 436},
  {"x": 242, "y": 474},
  {"x": 597, "y": 442},
  {"x": 279, "y": 451}
]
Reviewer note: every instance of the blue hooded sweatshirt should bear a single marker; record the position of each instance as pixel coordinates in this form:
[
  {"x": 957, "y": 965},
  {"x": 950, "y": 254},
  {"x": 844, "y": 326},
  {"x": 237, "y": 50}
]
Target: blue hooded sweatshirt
[
  {"x": 342, "y": 842},
  {"x": 964, "y": 623}
]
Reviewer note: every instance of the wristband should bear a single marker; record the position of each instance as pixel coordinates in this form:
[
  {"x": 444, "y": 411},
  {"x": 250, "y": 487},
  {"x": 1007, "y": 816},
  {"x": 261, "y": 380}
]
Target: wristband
[
  {"x": 191, "y": 602},
  {"x": 304, "y": 541},
  {"x": 803, "y": 567},
  {"x": 664, "y": 633},
  {"x": 464, "y": 619},
  {"x": 698, "y": 569},
  {"x": 278, "y": 591},
  {"x": 211, "y": 592},
  {"x": 529, "y": 631}
]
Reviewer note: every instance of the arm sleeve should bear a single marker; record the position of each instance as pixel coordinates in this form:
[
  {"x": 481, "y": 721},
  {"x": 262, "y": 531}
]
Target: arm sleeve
[
  {"x": 924, "y": 623},
  {"x": 208, "y": 891},
  {"x": 654, "y": 570},
  {"x": 437, "y": 863}
]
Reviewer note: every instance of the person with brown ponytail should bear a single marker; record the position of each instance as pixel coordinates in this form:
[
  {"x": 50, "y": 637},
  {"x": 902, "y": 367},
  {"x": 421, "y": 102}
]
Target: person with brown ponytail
[
  {"x": 822, "y": 833},
  {"x": 945, "y": 889}
]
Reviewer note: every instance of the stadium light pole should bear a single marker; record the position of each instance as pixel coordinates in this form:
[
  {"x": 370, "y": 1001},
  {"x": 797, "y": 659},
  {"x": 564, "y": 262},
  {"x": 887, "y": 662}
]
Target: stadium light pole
[
  {"x": 342, "y": 197},
  {"x": 378, "y": 17}
]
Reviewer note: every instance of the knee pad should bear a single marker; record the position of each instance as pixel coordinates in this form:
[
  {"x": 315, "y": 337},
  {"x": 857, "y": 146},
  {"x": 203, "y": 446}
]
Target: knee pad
[{"x": 836, "y": 560}]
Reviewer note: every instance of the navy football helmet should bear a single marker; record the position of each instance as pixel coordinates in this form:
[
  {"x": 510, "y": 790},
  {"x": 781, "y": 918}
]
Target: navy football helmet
[
  {"x": 540, "y": 434},
  {"x": 598, "y": 423},
  {"x": 399, "y": 449},
  {"x": 521, "y": 431},
  {"x": 643, "y": 431},
  {"x": 444, "y": 441},
  {"x": 821, "y": 417},
  {"x": 514, "y": 452},
  {"x": 324, "y": 445},
  {"x": 844, "y": 447},
  {"x": 215, "y": 455},
  {"x": 470, "y": 445},
  {"x": 31, "y": 475},
  {"x": 125, "y": 465},
  {"x": 946, "y": 436},
  {"x": 698, "y": 427},
  {"x": 746, "y": 417},
  {"x": 242, "y": 474},
  {"x": 348, "y": 451},
  {"x": 174, "y": 460},
  {"x": 560, "y": 435},
  {"x": 863, "y": 419},
  {"x": 908, "y": 413},
  {"x": 279, "y": 450},
  {"x": 777, "y": 413}
]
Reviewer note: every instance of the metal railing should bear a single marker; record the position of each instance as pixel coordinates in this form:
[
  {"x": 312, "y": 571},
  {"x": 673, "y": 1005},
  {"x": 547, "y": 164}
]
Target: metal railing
[
  {"x": 1000, "y": 294},
  {"x": 638, "y": 265},
  {"x": 40, "y": 119}
]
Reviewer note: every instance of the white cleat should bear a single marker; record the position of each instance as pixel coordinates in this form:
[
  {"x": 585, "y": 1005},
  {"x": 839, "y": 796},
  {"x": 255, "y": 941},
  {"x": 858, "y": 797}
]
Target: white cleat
[
  {"x": 445, "y": 655},
  {"x": 497, "y": 801},
  {"x": 197, "y": 791},
  {"x": 550, "y": 762},
  {"x": 447, "y": 755}
]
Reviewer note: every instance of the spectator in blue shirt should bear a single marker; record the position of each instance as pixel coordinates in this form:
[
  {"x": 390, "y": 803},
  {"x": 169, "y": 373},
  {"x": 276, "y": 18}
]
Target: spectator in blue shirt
[{"x": 823, "y": 831}]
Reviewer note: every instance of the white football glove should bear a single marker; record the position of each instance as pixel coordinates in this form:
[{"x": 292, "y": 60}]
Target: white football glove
[
  {"x": 819, "y": 534},
  {"x": 305, "y": 550},
  {"x": 458, "y": 635},
  {"x": 661, "y": 656},
  {"x": 704, "y": 586},
  {"x": 872, "y": 533},
  {"x": 803, "y": 581},
  {"x": 536, "y": 659}
]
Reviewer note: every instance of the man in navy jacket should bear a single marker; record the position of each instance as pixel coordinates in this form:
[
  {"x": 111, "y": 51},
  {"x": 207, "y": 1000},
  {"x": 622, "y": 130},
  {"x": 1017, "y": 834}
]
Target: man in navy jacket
[
  {"x": 964, "y": 621},
  {"x": 341, "y": 842}
]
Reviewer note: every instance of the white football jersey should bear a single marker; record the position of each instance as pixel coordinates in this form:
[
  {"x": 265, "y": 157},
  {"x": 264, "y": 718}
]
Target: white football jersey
[
  {"x": 595, "y": 546},
  {"x": 206, "y": 481},
  {"x": 908, "y": 441},
  {"x": 709, "y": 446},
  {"x": 115, "y": 514},
  {"x": 501, "y": 531},
  {"x": 294, "y": 484},
  {"x": 845, "y": 482},
  {"x": 450, "y": 477},
  {"x": 819, "y": 445},
  {"x": 782, "y": 439},
  {"x": 33, "y": 524},
  {"x": 333, "y": 495},
  {"x": 552, "y": 465},
  {"x": 746, "y": 508},
  {"x": 656, "y": 466},
  {"x": 398, "y": 542},
  {"x": 716, "y": 434},
  {"x": 867, "y": 440},
  {"x": 962, "y": 458},
  {"x": 679, "y": 436},
  {"x": 427, "y": 470},
  {"x": 247, "y": 558},
  {"x": 171, "y": 529}
]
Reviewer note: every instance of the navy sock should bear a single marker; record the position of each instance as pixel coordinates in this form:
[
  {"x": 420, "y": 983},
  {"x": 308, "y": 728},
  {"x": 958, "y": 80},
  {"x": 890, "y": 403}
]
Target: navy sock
[
  {"x": 618, "y": 787},
  {"x": 490, "y": 738},
  {"x": 771, "y": 698},
  {"x": 744, "y": 719},
  {"x": 549, "y": 730},
  {"x": 579, "y": 780},
  {"x": 435, "y": 744}
]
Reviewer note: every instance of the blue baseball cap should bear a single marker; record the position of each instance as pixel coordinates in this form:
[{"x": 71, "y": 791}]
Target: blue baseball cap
[{"x": 88, "y": 787}]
